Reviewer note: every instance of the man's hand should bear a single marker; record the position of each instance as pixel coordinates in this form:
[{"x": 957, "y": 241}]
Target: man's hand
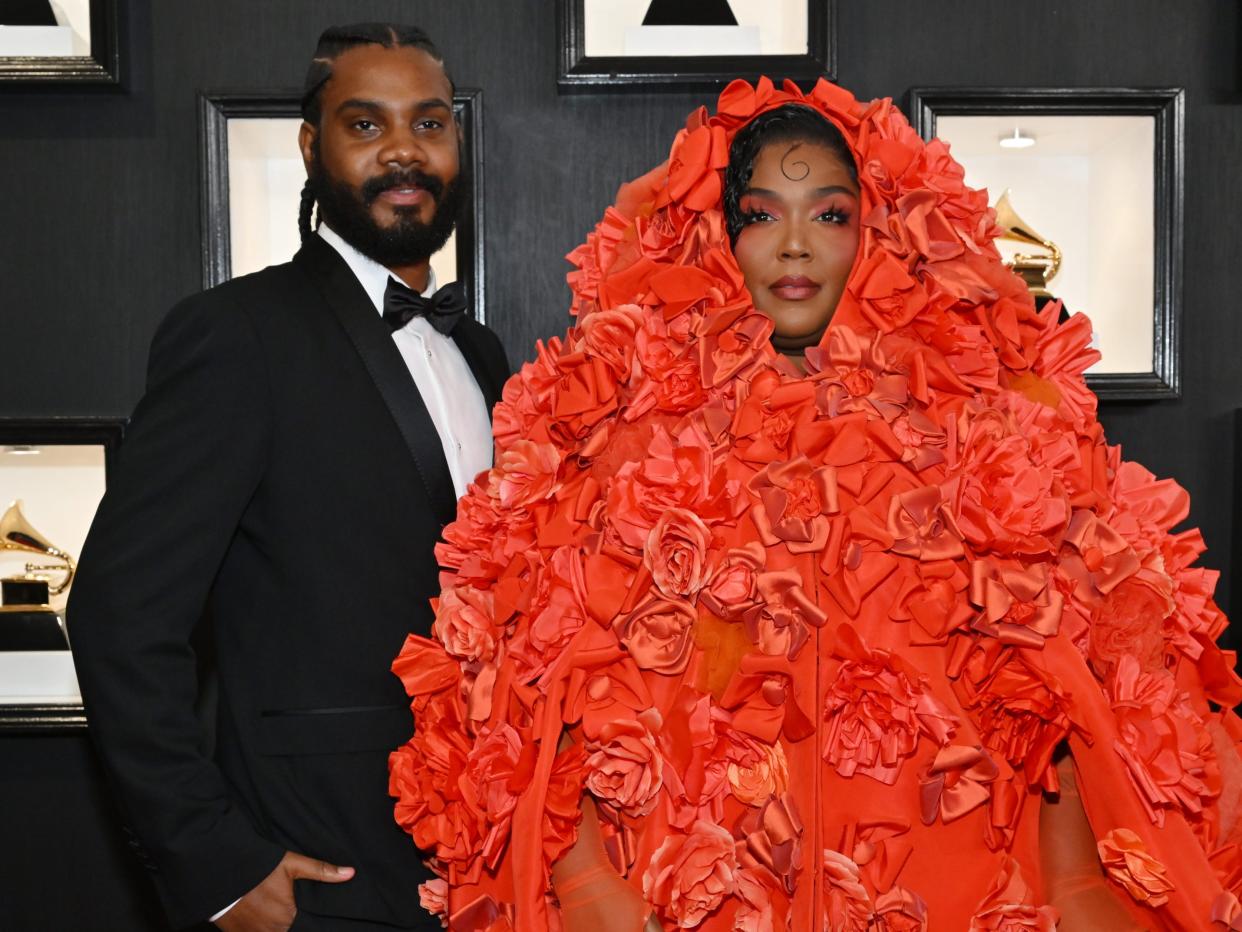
[{"x": 269, "y": 907}]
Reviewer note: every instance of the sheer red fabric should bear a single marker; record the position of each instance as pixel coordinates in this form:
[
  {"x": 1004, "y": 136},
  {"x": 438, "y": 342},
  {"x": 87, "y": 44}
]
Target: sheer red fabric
[{"x": 817, "y": 636}]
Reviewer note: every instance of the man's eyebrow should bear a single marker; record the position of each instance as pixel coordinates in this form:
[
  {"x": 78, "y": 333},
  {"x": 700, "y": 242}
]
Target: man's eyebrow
[{"x": 374, "y": 106}]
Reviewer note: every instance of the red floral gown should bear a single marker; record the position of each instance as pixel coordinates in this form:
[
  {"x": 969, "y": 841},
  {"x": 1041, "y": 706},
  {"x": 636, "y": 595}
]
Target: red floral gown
[{"x": 817, "y": 636}]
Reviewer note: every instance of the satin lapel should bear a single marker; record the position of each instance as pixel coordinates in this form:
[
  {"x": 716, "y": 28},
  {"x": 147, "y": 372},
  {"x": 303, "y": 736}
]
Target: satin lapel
[
  {"x": 373, "y": 342},
  {"x": 465, "y": 335}
]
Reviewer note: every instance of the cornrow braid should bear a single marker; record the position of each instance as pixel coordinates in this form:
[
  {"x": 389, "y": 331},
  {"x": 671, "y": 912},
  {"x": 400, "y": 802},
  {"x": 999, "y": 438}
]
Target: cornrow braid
[
  {"x": 332, "y": 42},
  {"x": 305, "y": 211}
]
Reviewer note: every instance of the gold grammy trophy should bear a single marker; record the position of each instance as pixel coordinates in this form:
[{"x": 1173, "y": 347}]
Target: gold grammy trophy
[
  {"x": 1036, "y": 269},
  {"x": 27, "y": 620}
]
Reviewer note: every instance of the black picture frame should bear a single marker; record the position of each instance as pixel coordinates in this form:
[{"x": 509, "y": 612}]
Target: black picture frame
[
  {"x": 1167, "y": 106},
  {"x": 100, "y": 69},
  {"x": 108, "y": 432},
  {"x": 579, "y": 72},
  {"x": 217, "y": 107}
]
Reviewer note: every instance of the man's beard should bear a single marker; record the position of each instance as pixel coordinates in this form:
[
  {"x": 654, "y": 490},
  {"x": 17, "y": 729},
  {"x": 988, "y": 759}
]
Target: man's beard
[{"x": 408, "y": 240}]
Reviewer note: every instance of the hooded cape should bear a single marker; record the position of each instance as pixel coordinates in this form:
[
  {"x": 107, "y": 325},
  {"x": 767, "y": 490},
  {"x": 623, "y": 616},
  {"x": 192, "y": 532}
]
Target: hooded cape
[{"x": 817, "y": 636}]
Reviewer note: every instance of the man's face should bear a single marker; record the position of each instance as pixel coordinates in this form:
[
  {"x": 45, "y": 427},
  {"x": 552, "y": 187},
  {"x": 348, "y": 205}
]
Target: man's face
[{"x": 384, "y": 160}]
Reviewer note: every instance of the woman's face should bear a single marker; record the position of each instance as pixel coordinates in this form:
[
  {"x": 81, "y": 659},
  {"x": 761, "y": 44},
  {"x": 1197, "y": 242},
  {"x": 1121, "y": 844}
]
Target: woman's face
[{"x": 799, "y": 238}]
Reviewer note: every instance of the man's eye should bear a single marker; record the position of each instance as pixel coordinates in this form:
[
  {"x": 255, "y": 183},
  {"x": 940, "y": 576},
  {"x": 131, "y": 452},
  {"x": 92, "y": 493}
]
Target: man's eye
[
  {"x": 365, "y": 125},
  {"x": 429, "y": 125}
]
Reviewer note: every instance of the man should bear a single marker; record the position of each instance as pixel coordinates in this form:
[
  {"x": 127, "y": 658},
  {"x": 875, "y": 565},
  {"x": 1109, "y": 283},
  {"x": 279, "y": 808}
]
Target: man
[{"x": 304, "y": 437}]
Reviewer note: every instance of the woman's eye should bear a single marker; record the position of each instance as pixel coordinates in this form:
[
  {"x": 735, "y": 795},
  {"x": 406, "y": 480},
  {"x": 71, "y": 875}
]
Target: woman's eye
[
  {"x": 834, "y": 216},
  {"x": 756, "y": 216}
]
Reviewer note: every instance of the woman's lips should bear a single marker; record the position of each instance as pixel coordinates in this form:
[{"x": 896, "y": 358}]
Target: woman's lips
[
  {"x": 404, "y": 196},
  {"x": 794, "y": 288}
]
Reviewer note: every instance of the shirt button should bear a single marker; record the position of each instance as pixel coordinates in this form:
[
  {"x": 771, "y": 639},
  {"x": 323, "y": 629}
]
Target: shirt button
[
  {"x": 459, "y": 447},
  {"x": 428, "y": 354}
]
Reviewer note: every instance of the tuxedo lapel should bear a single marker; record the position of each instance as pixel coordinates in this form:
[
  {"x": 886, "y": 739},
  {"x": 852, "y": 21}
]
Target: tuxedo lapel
[{"x": 373, "y": 342}]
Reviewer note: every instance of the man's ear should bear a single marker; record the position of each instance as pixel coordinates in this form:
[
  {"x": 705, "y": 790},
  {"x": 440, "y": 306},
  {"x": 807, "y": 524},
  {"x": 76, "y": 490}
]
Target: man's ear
[{"x": 307, "y": 133}]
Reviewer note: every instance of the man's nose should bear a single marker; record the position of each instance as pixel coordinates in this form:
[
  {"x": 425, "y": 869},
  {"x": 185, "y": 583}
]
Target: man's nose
[{"x": 401, "y": 149}]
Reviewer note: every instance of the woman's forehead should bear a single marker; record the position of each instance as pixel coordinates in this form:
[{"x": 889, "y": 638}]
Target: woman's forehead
[{"x": 799, "y": 162}]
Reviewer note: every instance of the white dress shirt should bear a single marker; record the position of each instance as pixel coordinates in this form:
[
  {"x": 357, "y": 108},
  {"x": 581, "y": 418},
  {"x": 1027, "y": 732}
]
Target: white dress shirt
[{"x": 452, "y": 396}]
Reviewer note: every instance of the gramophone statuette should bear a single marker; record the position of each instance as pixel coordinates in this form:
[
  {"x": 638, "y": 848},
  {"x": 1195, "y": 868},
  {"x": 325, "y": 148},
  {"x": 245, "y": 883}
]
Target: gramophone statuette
[
  {"x": 1036, "y": 269},
  {"x": 27, "y": 619}
]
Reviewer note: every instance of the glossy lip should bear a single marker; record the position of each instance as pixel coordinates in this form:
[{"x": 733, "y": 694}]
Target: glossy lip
[
  {"x": 795, "y": 288},
  {"x": 404, "y": 195}
]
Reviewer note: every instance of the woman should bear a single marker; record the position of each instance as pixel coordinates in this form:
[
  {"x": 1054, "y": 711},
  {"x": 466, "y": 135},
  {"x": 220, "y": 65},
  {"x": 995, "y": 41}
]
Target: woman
[{"x": 806, "y": 582}]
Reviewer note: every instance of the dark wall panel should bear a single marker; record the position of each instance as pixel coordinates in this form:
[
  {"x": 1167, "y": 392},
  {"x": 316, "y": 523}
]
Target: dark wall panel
[{"x": 100, "y": 235}]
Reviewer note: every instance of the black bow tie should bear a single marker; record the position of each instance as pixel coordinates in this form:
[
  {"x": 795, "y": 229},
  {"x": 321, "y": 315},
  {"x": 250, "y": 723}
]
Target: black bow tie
[{"x": 443, "y": 309}]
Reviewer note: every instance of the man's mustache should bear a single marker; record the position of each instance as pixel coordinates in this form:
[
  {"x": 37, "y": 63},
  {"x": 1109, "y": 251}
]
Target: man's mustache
[{"x": 374, "y": 187}]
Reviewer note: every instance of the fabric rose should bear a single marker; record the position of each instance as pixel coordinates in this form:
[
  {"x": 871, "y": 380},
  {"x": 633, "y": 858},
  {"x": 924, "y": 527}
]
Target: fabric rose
[
  {"x": 423, "y": 776},
  {"x": 772, "y": 837},
  {"x": 624, "y": 764},
  {"x": 1002, "y": 499},
  {"x": 1128, "y": 624},
  {"x": 609, "y": 337},
  {"x": 694, "y": 174},
  {"x": 496, "y": 768},
  {"x": 659, "y": 635},
  {"x": 1017, "y": 604},
  {"x": 1095, "y": 556},
  {"x": 847, "y": 904},
  {"x": 464, "y": 623},
  {"x": 767, "y": 776},
  {"x": 734, "y": 585},
  {"x": 781, "y": 623},
  {"x": 922, "y": 525},
  {"x": 527, "y": 473},
  {"x": 795, "y": 500},
  {"x": 887, "y": 294},
  {"x": 676, "y": 553},
  {"x": 900, "y": 910},
  {"x": 765, "y": 422},
  {"x": 433, "y": 897},
  {"x": 876, "y": 711},
  {"x": 1009, "y": 906},
  {"x": 585, "y": 395},
  {"x": 1163, "y": 742},
  {"x": 690, "y": 874},
  {"x": 1019, "y": 708},
  {"x": 1127, "y": 862},
  {"x": 956, "y": 782},
  {"x": 673, "y": 473},
  {"x": 757, "y": 913}
]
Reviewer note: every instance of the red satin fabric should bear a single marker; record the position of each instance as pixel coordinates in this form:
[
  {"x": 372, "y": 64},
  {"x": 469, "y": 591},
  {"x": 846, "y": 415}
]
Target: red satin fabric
[{"x": 817, "y": 636}]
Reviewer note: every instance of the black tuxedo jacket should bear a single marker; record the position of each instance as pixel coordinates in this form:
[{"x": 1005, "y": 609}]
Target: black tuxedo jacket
[{"x": 283, "y": 476}]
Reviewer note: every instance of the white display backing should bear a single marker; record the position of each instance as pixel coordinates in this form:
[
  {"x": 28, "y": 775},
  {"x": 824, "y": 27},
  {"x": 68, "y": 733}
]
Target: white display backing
[
  {"x": 781, "y": 25},
  {"x": 1087, "y": 185}
]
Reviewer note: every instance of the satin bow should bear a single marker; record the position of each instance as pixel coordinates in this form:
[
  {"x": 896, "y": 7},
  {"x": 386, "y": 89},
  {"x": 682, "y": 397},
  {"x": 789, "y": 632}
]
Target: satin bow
[{"x": 443, "y": 309}]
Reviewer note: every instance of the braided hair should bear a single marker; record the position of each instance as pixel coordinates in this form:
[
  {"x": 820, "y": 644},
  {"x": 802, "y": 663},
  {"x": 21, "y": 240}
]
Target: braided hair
[
  {"x": 790, "y": 123},
  {"x": 333, "y": 41}
]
